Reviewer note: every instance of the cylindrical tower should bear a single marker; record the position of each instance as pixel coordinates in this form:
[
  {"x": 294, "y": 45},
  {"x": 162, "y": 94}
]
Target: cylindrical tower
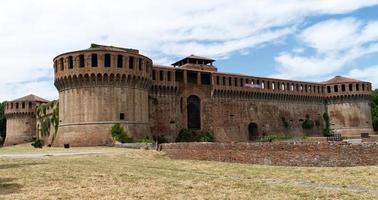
[
  {"x": 21, "y": 119},
  {"x": 99, "y": 87}
]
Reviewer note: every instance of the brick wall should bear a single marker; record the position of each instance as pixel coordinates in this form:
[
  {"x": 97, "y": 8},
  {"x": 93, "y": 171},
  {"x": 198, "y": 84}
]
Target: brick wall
[{"x": 278, "y": 153}]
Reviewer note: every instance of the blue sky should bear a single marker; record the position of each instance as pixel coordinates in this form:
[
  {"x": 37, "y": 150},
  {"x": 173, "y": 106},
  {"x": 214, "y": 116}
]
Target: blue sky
[{"x": 291, "y": 39}]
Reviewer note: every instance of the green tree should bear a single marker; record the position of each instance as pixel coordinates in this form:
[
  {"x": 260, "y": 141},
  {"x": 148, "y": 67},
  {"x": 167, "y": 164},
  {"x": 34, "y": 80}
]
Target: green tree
[
  {"x": 374, "y": 109},
  {"x": 2, "y": 121}
]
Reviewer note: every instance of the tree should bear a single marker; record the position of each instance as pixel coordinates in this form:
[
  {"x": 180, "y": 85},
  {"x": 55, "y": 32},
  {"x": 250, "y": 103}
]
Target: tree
[
  {"x": 2, "y": 121},
  {"x": 374, "y": 109}
]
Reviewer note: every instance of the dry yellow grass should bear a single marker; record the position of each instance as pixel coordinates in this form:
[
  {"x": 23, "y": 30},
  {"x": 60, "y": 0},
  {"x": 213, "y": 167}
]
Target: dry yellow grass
[{"x": 113, "y": 173}]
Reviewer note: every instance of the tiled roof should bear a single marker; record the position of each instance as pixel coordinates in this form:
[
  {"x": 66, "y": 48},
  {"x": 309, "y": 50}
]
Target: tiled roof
[
  {"x": 341, "y": 79},
  {"x": 32, "y": 98},
  {"x": 112, "y": 48}
]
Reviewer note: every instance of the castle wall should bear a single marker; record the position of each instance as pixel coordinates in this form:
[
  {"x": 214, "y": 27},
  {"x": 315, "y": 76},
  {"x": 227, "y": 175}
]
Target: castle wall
[
  {"x": 231, "y": 118},
  {"x": 20, "y": 129}
]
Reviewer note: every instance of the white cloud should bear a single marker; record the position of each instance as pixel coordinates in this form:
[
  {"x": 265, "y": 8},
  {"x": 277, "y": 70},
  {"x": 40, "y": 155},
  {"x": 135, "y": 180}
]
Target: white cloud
[
  {"x": 369, "y": 74},
  {"x": 336, "y": 43},
  {"x": 34, "y": 31}
]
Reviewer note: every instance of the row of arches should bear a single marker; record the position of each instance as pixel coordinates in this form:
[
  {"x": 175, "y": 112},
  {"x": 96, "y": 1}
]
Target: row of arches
[
  {"x": 106, "y": 60},
  {"x": 102, "y": 79},
  {"x": 19, "y": 105},
  {"x": 269, "y": 84},
  {"x": 351, "y": 87}
]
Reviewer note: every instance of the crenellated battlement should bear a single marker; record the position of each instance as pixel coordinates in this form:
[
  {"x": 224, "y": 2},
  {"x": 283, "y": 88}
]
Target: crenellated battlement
[
  {"x": 23, "y": 106},
  {"x": 100, "y": 65}
]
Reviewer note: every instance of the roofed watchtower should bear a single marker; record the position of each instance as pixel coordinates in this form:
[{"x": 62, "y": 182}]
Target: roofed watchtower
[{"x": 196, "y": 63}]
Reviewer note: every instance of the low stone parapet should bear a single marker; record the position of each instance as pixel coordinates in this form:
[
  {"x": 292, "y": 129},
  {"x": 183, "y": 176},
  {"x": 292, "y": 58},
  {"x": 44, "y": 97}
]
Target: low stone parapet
[
  {"x": 148, "y": 146},
  {"x": 278, "y": 153}
]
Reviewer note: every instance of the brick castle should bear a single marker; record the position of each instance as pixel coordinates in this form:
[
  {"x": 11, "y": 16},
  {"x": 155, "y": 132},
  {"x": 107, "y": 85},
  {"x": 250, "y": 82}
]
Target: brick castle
[{"x": 104, "y": 85}]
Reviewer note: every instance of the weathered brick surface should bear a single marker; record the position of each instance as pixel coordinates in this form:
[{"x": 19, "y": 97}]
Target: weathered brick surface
[{"x": 278, "y": 153}]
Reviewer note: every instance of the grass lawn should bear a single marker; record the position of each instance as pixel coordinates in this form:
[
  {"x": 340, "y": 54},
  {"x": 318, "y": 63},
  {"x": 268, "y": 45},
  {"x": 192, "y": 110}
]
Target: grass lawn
[{"x": 113, "y": 173}]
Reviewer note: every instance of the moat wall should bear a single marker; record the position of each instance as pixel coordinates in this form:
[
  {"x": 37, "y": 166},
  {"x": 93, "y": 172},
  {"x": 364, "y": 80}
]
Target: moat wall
[{"x": 278, "y": 153}]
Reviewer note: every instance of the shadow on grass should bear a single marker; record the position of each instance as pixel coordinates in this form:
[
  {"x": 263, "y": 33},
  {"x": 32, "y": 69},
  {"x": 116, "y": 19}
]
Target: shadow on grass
[
  {"x": 8, "y": 187},
  {"x": 18, "y": 165}
]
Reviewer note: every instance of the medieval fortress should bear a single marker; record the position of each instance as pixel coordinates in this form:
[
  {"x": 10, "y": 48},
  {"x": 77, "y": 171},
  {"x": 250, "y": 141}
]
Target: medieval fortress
[{"x": 104, "y": 85}]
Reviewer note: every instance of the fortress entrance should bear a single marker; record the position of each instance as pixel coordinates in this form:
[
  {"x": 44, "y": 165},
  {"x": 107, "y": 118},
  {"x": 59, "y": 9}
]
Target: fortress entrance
[
  {"x": 252, "y": 131},
  {"x": 194, "y": 112}
]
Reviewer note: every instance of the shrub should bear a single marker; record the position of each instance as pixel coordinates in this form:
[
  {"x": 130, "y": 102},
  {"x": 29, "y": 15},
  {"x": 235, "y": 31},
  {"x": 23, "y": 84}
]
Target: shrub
[
  {"x": 269, "y": 138},
  {"x": 37, "y": 144},
  {"x": 184, "y": 135},
  {"x": 308, "y": 123},
  {"x": 326, "y": 130},
  {"x": 147, "y": 139},
  {"x": 207, "y": 137},
  {"x": 118, "y": 134}
]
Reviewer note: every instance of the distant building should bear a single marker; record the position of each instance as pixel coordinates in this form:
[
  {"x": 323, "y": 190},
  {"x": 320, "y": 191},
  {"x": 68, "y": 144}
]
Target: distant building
[{"x": 104, "y": 85}]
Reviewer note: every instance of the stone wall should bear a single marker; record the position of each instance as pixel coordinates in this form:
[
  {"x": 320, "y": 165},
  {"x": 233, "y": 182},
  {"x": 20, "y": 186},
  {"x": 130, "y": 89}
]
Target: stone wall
[{"x": 278, "y": 153}]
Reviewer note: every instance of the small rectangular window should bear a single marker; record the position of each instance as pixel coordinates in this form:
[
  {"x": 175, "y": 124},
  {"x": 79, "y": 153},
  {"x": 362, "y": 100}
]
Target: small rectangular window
[
  {"x": 94, "y": 60},
  {"x": 107, "y": 60},
  {"x": 343, "y": 88},
  {"x": 131, "y": 62},
  {"x": 329, "y": 89},
  {"x": 23, "y": 104},
  {"x": 357, "y": 87},
  {"x": 119, "y": 61},
  {"x": 30, "y": 105},
  {"x": 122, "y": 116}
]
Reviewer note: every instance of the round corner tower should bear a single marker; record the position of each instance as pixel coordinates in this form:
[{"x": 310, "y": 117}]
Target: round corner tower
[
  {"x": 21, "y": 119},
  {"x": 348, "y": 105},
  {"x": 99, "y": 87}
]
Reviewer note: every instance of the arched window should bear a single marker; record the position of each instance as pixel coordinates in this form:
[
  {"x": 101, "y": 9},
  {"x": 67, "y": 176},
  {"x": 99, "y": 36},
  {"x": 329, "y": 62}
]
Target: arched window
[{"x": 94, "y": 60}]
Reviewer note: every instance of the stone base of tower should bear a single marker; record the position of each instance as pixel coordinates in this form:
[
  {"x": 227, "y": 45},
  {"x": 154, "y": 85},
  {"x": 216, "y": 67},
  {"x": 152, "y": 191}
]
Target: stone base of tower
[
  {"x": 20, "y": 130},
  {"x": 99, "y": 134}
]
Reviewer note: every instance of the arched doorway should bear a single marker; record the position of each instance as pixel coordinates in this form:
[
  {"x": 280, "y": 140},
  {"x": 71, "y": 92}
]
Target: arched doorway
[
  {"x": 194, "y": 112},
  {"x": 252, "y": 131}
]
